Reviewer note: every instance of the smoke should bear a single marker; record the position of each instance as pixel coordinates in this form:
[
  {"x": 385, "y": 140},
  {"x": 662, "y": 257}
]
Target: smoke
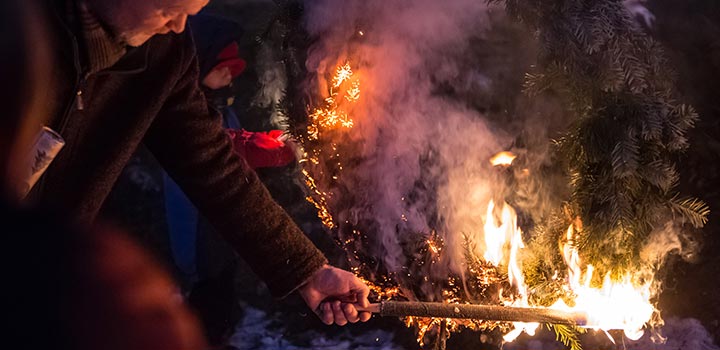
[
  {"x": 681, "y": 334},
  {"x": 272, "y": 82},
  {"x": 666, "y": 240},
  {"x": 424, "y": 146}
]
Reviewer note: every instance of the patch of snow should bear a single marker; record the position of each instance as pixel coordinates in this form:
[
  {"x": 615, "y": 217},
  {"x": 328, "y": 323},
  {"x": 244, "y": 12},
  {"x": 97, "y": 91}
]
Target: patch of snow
[{"x": 258, "y": 330}]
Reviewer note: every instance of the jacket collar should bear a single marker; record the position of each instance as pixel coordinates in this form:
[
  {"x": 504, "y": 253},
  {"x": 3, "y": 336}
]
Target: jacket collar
[{"x": 135, "y": 60}]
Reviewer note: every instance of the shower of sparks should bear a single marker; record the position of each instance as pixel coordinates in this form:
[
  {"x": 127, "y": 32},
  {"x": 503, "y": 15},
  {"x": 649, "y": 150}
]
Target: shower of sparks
[
  {"x": 353, "y": 94},
  {"x": 344, "y": 86},
  {"x": 319, "y": 201},
  {"x": 328, "y": 117},
  {"x": 381, "y": 293}
]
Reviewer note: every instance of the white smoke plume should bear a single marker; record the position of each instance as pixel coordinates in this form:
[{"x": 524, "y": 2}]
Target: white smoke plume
[
  {"x": 425, "y": 155},
  {"x": 272, "y": 83}
]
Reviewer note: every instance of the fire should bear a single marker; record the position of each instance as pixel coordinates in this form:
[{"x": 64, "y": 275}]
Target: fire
[
  {"x": 499, "y": 234},
  {"x": 318, "y": 200},
  {"x": 498, "y": 231},
  {"x": 617, "y": 304},
  {"x": 503, "y": 158},
  {"x": 342, "y": 74},
  {"x": 332, "y": 115},
  {"x": 344, "y": 89}
]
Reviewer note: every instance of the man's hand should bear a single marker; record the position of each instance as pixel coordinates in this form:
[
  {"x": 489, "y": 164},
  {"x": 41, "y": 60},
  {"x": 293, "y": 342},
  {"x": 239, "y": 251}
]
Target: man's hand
[{"x": 334, "y": 295}]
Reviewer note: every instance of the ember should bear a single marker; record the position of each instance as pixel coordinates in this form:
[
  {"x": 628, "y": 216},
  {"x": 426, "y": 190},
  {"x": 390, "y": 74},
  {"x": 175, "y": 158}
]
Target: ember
[{"x": 334, "y": 113}]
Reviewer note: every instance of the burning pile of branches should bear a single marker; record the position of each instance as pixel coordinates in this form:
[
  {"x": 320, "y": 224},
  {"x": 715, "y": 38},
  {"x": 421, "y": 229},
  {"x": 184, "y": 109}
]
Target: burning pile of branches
[
  {"x": 492, "y": 276},
  {"x": 590, "y": 254}
]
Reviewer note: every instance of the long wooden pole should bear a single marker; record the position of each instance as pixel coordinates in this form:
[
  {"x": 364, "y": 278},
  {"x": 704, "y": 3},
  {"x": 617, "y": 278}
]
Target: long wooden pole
[{"x": 477, "y": 312}]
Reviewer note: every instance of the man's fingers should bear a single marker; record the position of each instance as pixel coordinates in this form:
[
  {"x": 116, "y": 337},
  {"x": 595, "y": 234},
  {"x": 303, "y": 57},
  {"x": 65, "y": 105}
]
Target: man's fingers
[
  {"x": 362, "y": 297},
  {"x": 326, "y": 313},
  {"x": 340, "y": 319},
  {"x": 364, "y": 316},
  {"x": 351, "y": 314}
]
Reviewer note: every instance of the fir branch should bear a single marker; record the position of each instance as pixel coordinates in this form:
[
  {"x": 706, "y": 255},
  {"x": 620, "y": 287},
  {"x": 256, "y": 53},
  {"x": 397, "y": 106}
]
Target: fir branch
[
  {"x": 619, "y": 154},
  {"x": 625, "y": 155},
  {"x": 661, "y": 174},
  {"x": 691, "y": 210},
  {"x": 568, "y": 335}
]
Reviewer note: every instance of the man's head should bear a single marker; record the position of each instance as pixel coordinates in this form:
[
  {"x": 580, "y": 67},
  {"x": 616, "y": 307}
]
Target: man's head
[{"x": 136, "y": 21}]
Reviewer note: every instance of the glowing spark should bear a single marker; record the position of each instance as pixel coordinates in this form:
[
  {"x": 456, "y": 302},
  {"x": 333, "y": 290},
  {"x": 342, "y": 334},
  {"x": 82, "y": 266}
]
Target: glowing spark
[
  {"x": 334, "y": 114},
  {"x": 433, "y": 247},
  {"x": 353, "y": 94},
  {"x": 342, "y": 74},
  {"x": 318, "y": 201}
]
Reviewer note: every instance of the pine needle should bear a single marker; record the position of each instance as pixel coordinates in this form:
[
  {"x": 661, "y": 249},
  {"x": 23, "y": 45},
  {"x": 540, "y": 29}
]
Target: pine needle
[{"x": 568, "y": 335}]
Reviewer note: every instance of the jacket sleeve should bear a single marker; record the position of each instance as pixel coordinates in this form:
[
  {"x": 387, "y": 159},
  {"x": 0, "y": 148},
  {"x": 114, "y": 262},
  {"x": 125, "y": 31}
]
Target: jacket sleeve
[{"x": 189, "y": 141}]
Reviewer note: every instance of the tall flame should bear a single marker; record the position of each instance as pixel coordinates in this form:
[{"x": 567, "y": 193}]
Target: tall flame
[
  {"x": 502, "y": 235},
  {"x": 617, "y": 304}
]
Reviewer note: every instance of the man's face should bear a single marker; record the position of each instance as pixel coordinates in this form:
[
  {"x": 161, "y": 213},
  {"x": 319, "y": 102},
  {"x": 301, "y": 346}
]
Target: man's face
[{"x": 136, "y": 21}]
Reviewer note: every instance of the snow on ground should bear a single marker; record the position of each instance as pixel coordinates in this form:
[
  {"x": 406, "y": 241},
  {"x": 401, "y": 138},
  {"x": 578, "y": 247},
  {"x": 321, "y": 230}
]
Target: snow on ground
[{"x": 258, "y": 330}]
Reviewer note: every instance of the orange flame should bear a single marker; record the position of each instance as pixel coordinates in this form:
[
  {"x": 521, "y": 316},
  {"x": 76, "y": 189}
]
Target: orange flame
[
  {"x": 498, "y": 235},
  {"x": 616, "y": 305},
  {"x": 503, "y": 158}
]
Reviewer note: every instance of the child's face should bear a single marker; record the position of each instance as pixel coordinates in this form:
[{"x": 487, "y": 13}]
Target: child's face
[{"x": 217, "y": 78}]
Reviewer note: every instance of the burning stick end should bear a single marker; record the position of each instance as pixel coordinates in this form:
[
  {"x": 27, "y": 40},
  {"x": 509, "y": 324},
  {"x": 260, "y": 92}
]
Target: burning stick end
[{"x": 581, "y": 318}]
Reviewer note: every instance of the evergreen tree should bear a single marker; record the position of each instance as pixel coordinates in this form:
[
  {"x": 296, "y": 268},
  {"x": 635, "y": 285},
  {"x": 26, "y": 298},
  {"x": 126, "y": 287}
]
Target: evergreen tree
[{"x": 620, "y": 152}]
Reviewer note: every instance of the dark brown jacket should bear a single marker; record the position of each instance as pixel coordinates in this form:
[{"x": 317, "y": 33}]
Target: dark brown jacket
[{"x": 152, "y": 95}]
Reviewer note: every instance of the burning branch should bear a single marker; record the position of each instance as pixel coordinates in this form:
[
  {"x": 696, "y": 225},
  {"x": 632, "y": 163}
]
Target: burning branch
[{"x": 478, "y": 312}]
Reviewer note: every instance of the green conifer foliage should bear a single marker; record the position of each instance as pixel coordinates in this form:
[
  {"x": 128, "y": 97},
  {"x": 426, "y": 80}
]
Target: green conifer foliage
[{"x": 619, "y": 153}]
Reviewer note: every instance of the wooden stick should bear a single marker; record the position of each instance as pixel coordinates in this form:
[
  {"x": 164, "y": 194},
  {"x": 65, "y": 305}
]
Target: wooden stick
[{"x": 477, "y": 312}]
